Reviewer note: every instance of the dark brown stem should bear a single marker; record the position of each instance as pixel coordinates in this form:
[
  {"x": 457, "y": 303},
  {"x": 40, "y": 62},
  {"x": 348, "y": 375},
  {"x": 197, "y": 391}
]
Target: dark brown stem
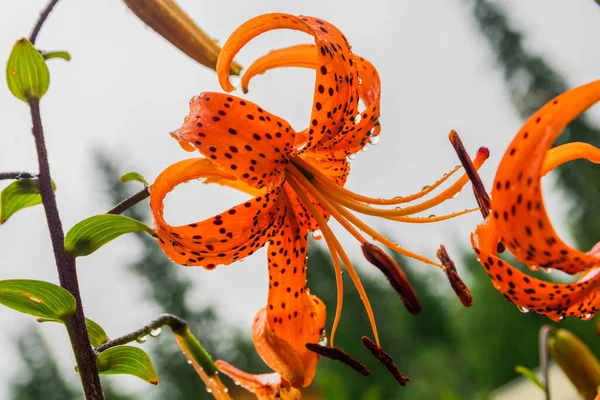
[
  {"x": 170, "y": 320},
  {"x": 16, "y": 175},
  {"x": 41, "y": 19},
  {"x": 65, "y": 263},
  {"x": 130, "y": 201},
  {"x": 544, "y": 358}
]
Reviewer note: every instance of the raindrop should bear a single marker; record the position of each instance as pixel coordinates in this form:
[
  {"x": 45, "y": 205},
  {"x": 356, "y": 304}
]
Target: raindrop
[
  {"x": 352, "y": 156},
  {"x": 587, "y": 316},
  {"x": 365, "y": 147},
  {"x": 155, "y": 332},
  {"x": 547, "y": 270},
  {"x": 208, "y": 390},
  {"x": 431, "y": 216},
  {"x": 425, "y": 187},
  {"x": 142, "y": 339},
  {"x": 323, "y": 341},
  {"x": 189, "y": 362},
  {"x": 317, "y": 235},
  {"x": 523, "y": 309},
  {"x": 374, "y": 140}
]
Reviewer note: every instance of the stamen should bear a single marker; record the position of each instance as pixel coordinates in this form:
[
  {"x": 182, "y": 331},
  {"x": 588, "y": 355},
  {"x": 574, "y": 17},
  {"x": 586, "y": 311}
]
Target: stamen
[
  {"x": 395, "y": 275},
  {"x": 371, "y": 200},
  {"x": 330, "y": 238},
  {"x": 385, "y": 359},
  {"x": 398, "y": 212},
  {"x": 459, "y": 287},
  {"x": 337, "y": 354},
  {"x": 481, "y": 195},
  {"x": 437, "y": 218},
  {"x": 346, "y": 218}
]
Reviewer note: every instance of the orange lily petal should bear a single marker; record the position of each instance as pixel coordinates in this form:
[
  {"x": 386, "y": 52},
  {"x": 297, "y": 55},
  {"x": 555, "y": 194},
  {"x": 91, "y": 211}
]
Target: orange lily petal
[
  {"x": 517, "y": 204},
  {"x": 335, "y": 97},
  {"x": 264, "y": 386},
  {"x": 552, "y": 299},
  {"x": 229, "y": 236},
  {"x": 302, "y": 55},
  {"x": 292, "y": 314},
  {"x": 240, "y": 137}
]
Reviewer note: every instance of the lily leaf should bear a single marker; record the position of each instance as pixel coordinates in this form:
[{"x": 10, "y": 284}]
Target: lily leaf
[
  {"x": 18, "y": 195},
  {"x": 134, "y": 176},
  {"x": 529, "y": 374},
  {"x": 94, "y": 232},
  {"x": 127, "y": 360},
  {"x": 26, "y": 72},
  {"x": 37, "y": 298},
  {"x": 96, "y": 333}
]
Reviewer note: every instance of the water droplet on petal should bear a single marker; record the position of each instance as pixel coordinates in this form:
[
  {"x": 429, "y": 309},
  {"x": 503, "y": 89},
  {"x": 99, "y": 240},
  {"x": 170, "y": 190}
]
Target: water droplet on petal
[
  {"x": 189, "y": 361},
  {"x": 317, "y": 235},
  {"x": 523, "y": 309},
  {"x": 431, "y": 216},
  {"x": 587, "y": 316},
  {"x": 352, "y": 156},
  {"x": 365, "y": 147},
  {"x": 425, "y": 187},
  {"x": 374, "y": 140}
]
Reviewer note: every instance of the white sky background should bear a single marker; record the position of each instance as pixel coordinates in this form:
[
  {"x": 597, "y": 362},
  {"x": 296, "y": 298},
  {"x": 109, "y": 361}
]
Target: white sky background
[{"x": 126, "y": 88}]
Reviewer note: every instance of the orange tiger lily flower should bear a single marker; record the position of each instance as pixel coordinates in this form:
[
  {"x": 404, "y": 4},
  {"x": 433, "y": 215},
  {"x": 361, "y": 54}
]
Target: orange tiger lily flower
[
  {"x": 297, "y": 181},
  {"x": 520, "y": 222}
]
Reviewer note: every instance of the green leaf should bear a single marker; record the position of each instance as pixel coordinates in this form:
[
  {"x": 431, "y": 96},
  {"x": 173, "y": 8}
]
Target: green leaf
[
  {"x": 38, "y": 298},
  {"x": 56, "y": 54},
  {"x": 97, "y": 335},
  {"x": 134, "y": 176},
  {"x": 26, "y": 72},
  {"x": 94, "y": 232},
  {"x": 18, "y": 195},
  {"x": 529, "y": 374},
  {"x": 127, "y": 360}
]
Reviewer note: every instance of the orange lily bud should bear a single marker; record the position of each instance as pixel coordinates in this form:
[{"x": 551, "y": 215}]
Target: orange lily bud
[
  {"x": 577, "y": 361},
  {"x": 459, "y": 287},
  {"x": 394, "y": 274},
  {"x": 167, "y": 19}
]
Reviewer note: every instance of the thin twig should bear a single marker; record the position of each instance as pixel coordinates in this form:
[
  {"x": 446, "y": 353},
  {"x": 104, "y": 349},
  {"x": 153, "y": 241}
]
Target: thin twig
[
  {"x": 170, "y": 320},
  {"x": 17, "y": 175},
  {"x": 130, "y": 201},
  {"x": 41, "y": 19},
  {"x": 544, "y": 357},
  {"x": 65, "y": 263}
]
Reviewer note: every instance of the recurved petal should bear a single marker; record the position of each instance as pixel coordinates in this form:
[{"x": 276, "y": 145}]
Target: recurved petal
[
  {"x": 227, "y": 237},
  {"x": 517, "y": 204},
  {"x": 335, "y": 97},
  {"x": 292, "y": 314},
  {"x": 248, "y": 142},
  {"x": 555, "y": 300}
]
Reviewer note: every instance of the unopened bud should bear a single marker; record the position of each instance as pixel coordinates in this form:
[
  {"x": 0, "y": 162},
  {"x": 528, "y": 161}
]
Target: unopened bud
[
  {"x": 459, "y": 287},
  {"x": 576, "y": 360},
  {"x": 172, "y": 23},
  {"x": 395, "y": 275},
  {"x": 26, "y": 72}
]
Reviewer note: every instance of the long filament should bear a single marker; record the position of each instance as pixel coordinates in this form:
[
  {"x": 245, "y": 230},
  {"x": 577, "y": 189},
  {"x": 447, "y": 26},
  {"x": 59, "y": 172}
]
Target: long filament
[
  {"x": 371, "y": 200},
  {"x": 339, "y": 283},
  {"x": 330, "y": 237}
]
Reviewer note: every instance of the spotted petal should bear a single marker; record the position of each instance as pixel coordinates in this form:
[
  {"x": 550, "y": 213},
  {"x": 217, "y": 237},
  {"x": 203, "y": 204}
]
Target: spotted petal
[
  {"x": 335, "y": 98},
  {"x": 248, "y": 142},
  {"x": 518, "y": 208},
  {"x": 227, "y": 237}
]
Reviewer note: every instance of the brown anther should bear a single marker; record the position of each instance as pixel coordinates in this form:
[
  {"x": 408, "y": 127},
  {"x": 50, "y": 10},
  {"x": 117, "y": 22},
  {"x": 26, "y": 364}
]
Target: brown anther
[
  {"x": 459, "y": 287},
  {"x": 482, "y": 197},
  {"x": 385, "y": 359},
  {"x": 395, "y": 275},
  {"x": 337, "y": 354}
]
